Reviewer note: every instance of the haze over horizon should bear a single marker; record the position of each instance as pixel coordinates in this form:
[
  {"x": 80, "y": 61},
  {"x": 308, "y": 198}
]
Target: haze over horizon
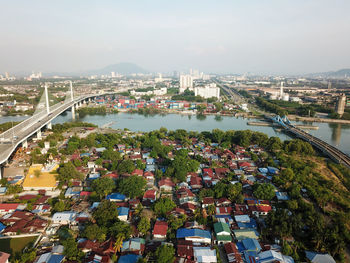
[{"x": 263, "y": 37}]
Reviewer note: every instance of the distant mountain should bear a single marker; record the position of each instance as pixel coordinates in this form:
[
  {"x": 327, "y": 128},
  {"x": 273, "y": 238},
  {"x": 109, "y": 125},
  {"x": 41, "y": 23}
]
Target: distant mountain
[
  {"x": 121, "y": 68},
  {"x": 342, "y": 73}
]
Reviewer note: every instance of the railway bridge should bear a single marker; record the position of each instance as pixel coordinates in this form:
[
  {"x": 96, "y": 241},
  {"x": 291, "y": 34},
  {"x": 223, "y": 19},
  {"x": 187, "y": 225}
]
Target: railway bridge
[{"x": 329, "y": 150}]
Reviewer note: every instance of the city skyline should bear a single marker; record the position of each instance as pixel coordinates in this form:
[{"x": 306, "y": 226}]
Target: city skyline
[{"x": 293, "y": 37}]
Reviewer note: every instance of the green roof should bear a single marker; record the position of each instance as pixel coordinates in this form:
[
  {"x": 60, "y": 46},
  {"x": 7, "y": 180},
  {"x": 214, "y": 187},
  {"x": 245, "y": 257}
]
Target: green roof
[
  {"x": 221, "y": 227},
  {"x": 245, "y": 233},
  {"x": 223, "y": 238}
]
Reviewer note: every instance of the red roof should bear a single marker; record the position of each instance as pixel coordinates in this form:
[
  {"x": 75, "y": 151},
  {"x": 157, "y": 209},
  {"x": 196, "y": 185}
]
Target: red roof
[
  {"x": 138, "y": 172},
  {"x": 8, "y": 207},
  {"x": 160, "y": 228},
  {"x": 167, "y": 182},
  {"x": 150, "y": 194},
  {"x": 85, "y": 193},
  {"x": 208, "y": 200}
]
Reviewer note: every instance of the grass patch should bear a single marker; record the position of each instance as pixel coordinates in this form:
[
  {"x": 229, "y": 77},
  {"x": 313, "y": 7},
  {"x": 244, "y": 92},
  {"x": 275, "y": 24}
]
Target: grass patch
[{"x": 14, "y": 245}]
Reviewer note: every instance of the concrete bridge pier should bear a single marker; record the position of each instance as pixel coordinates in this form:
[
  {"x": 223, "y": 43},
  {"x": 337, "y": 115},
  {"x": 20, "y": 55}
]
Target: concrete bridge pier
[
  {"x": 25, "y": 144},
  {"x": 73, "y": 112},
  {"x": 38, "y": 134},
  {"x": 49, "y": 126},
  {"x": 1, "y": 171}
]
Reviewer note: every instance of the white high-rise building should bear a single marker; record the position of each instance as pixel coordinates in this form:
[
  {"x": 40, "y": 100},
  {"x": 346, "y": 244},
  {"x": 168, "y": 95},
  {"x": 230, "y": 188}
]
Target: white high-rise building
[
  {"x": 113, "y": 74},
  {"x": 207, "y": 91},
  {"x": 281, "y": 90},
  {"x": 186, "y": 82}
]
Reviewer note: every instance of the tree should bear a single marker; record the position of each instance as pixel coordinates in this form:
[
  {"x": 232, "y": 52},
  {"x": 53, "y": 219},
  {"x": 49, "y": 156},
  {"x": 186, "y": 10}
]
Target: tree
[
  {"x": 132, "y": 186},
  {"x": 144, "y": 225},
  {"x": 176, "y": 222},
  {"x": 106, "y": 213},
  {"x": 201, "y": 108},
  {"x": 165, "y": 254},
  {"x": 93, "y": 232},
  {"x": 120, "y": 228},
  {"x": 218, "y": 135},
  {"x": 233, "y": 190},
  {"x": 71, "y": 250},
  {"x": 118, "y": 243},
  {"x": 103, "y": 186},
  {"x": 67, "y": 172},
  {"x": 37, "y": 173},
  {"x": 126, "y": 166},
  {"x": 163, "y": 206},
  {"x": 264, "y": 191},
  {"x": 29, "y": 255}
]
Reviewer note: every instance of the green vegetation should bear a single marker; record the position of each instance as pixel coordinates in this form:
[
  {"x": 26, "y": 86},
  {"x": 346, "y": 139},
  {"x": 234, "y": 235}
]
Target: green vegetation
[
  {"x": 163, "y": 205},
  {"x": 264, "y": 191},
  {"x": 144, "y": 225},
  {"x": 103, "y": 186},
  {"x": 132, "y": 186},
  {"x": 67, "y": 172},
  {"x": 91, "y": 111},
  {"x": 165, "y": 254},
  {"x": 188, "y": 96},
  {"x": 14, "y": 246}
]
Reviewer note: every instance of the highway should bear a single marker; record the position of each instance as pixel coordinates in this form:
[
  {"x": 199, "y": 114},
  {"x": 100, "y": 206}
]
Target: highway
[{"x": 12, "y": 138}]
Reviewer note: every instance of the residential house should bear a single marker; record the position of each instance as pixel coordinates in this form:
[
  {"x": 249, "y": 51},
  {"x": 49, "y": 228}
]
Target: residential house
[
  {"x": 222, "y": 233},
  {"x": 160, "y": 230},
  {"x": 123, "y": 213},
  {"x": 194, "y": 235}
]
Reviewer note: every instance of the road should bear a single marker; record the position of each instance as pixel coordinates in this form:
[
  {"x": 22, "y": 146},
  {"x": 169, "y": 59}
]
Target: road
[{"x": 10, "y": 139}]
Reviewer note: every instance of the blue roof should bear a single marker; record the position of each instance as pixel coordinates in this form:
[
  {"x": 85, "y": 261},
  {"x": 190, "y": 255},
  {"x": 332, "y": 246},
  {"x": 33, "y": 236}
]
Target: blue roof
[
  {"x": 129, "y": 258},
  {"x": 251, "y": 256},
  {"x": 56, "y": 259},
  {"x": 116, "y": 196},
  {"x": 240, "y": 246},
  {"x": 184, "y": 232},
  {"x": 84, "y": 154},
  {"x": 123, "y": 211},
  {"x": 263, "y": 170},
  {"x": 272, "y": 170},
  {"x": 282, "y": 196},
  {"x": 251, "y": 244},
  {"x": 2, "y": 226}
]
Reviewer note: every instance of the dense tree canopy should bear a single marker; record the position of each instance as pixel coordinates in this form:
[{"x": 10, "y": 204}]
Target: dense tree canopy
[
  {"x": 103, "y": 186},
  {"x": 163, "y": 206},
  {"x": 165, "y": 254},
  {"x": 264, "y": 191},
  {"x": 132, "y": 186}
]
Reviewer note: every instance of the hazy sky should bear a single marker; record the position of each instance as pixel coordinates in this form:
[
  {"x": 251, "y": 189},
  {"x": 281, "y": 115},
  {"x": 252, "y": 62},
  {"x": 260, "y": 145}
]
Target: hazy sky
[{"x": 238, "y": 36}]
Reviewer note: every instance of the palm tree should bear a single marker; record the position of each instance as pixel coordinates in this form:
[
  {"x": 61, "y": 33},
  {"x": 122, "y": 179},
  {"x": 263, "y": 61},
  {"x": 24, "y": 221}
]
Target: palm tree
[
  {"x": 118, "y": 243},
  {"x": 211, "y": 210}
]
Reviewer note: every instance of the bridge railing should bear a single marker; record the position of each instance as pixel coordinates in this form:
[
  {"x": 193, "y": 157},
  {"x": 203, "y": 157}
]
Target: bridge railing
[{"x": 10, "y": 133}]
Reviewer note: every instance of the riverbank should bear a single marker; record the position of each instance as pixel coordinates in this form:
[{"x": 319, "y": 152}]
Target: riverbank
[
  {"x": 270, "y": 124},
  {"x": 313, "y": 119}
]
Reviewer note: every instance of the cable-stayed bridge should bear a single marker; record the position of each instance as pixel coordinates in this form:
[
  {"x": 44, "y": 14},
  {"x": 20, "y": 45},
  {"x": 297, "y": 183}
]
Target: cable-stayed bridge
[{"x": 19, "y": 134}]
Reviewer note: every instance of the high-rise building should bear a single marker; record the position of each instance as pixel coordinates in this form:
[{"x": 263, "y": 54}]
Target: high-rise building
[
  {"x": 112, "y": 74},
  {"x": 186, "y": 82},
  {"x": 340, "y": 106},
  {"x": 329, "y": 85},
  {"x": 207, "y": 91},
  {"x": 281, "y": 90}
]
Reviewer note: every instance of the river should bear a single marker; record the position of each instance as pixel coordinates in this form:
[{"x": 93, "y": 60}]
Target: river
[{"x": 337, "y": 135}]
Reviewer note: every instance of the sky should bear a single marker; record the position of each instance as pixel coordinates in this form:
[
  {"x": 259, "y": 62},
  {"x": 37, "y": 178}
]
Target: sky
[{"x": 214, "y": 36}]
